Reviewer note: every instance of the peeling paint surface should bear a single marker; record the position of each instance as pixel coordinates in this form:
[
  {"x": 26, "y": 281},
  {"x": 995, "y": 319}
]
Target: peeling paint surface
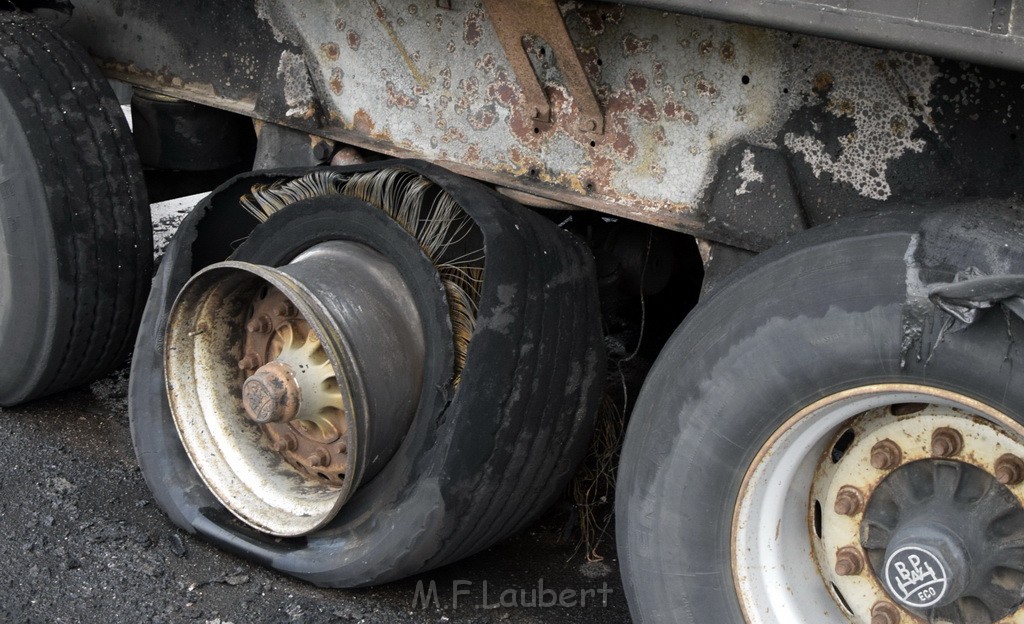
[
  {"x": 671, "y": 88},
  {"x": 676, "y": 91},
  {"x": 298, "y": 93},
  {"x": 883, "y": 94},
  {"x": 748, "y": 173}
]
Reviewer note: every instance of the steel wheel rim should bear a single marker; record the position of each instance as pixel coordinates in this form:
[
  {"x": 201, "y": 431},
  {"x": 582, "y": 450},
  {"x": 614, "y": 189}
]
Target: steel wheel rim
[
  {"x": 353, "y": 301},
  {"x": 776, "y": 574}
]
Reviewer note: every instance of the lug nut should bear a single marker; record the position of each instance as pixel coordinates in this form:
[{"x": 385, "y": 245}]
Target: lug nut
[
  {"x": 883, "y": 612},
  {"x": 1009, "y": 469},
  {"x": 285, "y": 309},
  {"x": 849, "y": 501},
  {"x": 849, "y": 561},
  {"x": 320, "y": 457},
  {"x": 251, "y": 361},
  {"x": 286, "y": 442},
  {"x": 262, "y": 325},
  {"x": 886, "y": 455},
  {"x": 946, "y": 442}
]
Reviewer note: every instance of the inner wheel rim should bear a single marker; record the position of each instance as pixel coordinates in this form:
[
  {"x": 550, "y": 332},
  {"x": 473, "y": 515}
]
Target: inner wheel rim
[
  {"x": 290, "y": 387},
  {"x": 781, "y": 569}
]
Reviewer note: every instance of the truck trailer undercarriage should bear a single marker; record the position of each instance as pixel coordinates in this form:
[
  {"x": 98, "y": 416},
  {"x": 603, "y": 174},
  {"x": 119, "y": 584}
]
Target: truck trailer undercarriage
[{"x": 384, "y": 348}]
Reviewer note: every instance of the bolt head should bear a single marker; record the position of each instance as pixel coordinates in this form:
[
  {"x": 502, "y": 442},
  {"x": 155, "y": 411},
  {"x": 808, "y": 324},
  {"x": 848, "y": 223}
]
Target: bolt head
[
  {"x": 946, "y": 442},
  {"x": 285, "y": 309},
  {"x": 849, "y": 561},
  {"x": 849, "y": 501},
  {"x": 886, "y": 455},
  {"x": 261, "y": 325},
  {"x": 251, "y": 361},
  {"x": 319, "y": 458},
  {"x": 1009, "y": 469},
  {"x": 883, "y": 612}
]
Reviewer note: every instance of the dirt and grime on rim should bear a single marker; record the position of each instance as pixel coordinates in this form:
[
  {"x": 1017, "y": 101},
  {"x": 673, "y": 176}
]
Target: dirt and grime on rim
[{"x": 82, "y": 541}]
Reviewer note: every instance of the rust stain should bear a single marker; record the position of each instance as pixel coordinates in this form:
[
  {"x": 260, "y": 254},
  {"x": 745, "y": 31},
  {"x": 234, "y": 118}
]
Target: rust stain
[
  {"x": 330, "y": 50},
  {"x": 336, "y": 82},
  {"x": 454, "y": 134},
  {"x": 339, "y": 24},
  {"x": 843, "y": 107},
  {"x": 659, "y": 73},
  {"x": 486, "y": 63},
  {"x": 728, "y": 52},
  {"x": 354, "y": 40},
  {"x": 469, "y": 86},
  {"x": 382, "y": 17},
  {"x": 706, "y": 88},
  {"x": 637, "y": 80},
  {"x": 483, "y": 118},
  {"x": 596, "y": 17},
  {"x": 472, "y": 31},
  {"x": 362, "y": 122},
  {"x": 631, "y": 44},
  {"x": 823, "y": 83},
  {"x": 397, "y": 99},
  {"x": 589, "y": 61},
  {"x": 706, "y": 47},
  {"x": 647, "y": 110},
  {"x": 898, "y": 126}
]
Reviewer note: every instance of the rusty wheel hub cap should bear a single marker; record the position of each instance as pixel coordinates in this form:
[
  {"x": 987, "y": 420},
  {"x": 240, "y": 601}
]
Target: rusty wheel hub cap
[{"x": 294, "y": 397}]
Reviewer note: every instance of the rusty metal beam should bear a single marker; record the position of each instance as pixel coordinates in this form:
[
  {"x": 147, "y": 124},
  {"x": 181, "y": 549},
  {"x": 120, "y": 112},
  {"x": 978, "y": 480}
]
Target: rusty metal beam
[{"x": 514, "y": 22}]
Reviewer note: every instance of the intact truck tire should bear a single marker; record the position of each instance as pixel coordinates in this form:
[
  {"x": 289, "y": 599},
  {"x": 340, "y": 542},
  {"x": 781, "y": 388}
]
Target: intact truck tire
[
  {"x": 480, "y": 461},
  {"x": 833, "y": 329},
  {"x": 75, "y": 234}
]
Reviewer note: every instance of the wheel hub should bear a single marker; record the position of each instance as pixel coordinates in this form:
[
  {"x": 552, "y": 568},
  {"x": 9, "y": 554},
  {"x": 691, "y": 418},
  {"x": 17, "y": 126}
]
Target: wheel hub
[
  {"x": 904, "y": 500},
  {"x": 928, "y": 532},
  {"x": 918, "y": 506},
  {"x": 291, "y": 386},
  {"x": 294, "y": 397},
  {"x": 271, "y": 394}
]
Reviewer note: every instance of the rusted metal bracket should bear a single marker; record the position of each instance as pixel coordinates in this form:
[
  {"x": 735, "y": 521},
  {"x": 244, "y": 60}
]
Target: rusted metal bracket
[{"x": 513, "y": 21}]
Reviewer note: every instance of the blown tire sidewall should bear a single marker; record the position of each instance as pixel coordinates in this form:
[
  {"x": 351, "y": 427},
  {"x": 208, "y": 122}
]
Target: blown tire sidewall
[
  {"x": 424, "y": 508},
  {"x": 828, "y": 311}
]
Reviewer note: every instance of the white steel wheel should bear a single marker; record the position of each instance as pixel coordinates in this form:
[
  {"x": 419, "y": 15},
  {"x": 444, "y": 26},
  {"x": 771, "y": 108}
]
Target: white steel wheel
[{"x": 818, "y": 535}]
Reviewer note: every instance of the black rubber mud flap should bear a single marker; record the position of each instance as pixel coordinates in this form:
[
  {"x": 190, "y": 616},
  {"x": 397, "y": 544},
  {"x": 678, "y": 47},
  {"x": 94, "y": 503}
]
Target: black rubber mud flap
[
  {"x": 479, "y": 462},
  {"x": 76, "y": 247},
  {"x": 837, "y": 307}
]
